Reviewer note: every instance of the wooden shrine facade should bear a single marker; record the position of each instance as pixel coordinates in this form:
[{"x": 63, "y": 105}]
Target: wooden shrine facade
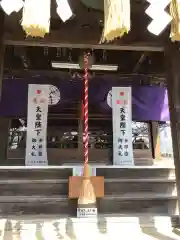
[
  {"x": 137, "y": 53},
  {"x": 65, "y": 146}
]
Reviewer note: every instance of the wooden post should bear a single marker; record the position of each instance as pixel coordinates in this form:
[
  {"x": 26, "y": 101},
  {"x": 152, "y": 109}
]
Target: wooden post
[
  {"x": 155, "y": 140},
  {"x": 172, "y": 57},
  {"x": 5, "y": 124},
  {"x": 2, "y": 48}
]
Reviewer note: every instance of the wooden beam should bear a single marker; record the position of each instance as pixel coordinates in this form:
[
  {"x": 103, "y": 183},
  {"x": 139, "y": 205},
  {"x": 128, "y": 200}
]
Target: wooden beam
[
  {"x": 15, "y": 73},
  {"x": 75, "y": 35},
  {"x": 123, "y": 47}
]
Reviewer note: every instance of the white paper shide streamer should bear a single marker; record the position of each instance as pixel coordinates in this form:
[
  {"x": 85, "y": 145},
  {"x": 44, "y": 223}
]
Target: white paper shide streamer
[
  {"x": 63, "y": 10},
  {"x": 36, "y": 17},
  {"x": 10, "y": 6},
  {"x": 175, "y": 24},
  {"x": 116, "y": 19}
]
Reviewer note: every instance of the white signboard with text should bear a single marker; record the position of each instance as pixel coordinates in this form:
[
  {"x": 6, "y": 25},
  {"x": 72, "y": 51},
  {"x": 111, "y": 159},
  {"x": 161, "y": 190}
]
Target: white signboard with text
[
  {"x": 86, "y": 212},
  {"x": 122, "y": 126},
  {"x": 36, "y": 147}
]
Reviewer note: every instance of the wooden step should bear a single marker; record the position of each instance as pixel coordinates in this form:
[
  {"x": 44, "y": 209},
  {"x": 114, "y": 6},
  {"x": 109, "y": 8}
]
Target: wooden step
[
  {"x": 142, "y": 203},
  {"x": 17, "y": 205},
  {"x": 118, "y": 187},
  {"x": 50, "y": 187},
  {"x": 123, "y": 204},
  {"x": 35, "y": 173},
  {"x": 127, "y": 190},
  {"x": 136, "y": 172},
  {"x": 34, "y": 187}
]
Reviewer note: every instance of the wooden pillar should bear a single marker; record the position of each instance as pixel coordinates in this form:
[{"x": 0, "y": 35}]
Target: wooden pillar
[
  {"x": 172, "y": 57},
  {"x": 5, "y": 124},
  {"x": 2, "y": 49},
  {"x": 155, "y": 140}
]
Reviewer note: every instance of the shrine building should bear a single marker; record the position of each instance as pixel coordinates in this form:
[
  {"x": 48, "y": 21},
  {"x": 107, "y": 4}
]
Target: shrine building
[{"x": 146, "y": 65}]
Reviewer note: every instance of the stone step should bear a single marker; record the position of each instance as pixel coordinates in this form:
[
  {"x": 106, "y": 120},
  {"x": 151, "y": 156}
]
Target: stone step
[
  {"x": 60, "y": 186},
  {"x": 124, "y": 204},
  {"x": 104, "y": 227},
  {"x": 136, "y": 172},
  {"x": 143, "y": 220}
]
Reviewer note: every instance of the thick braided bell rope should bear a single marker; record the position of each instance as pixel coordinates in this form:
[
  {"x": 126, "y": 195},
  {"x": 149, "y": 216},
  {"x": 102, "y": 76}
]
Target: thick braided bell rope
[{"x": 86, "y": 138}]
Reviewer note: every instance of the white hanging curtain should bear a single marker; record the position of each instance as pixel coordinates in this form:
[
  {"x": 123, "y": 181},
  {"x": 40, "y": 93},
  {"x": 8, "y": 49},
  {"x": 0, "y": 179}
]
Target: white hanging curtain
[
  {"x": 175, "y": 23},
  {"x": 116, "y": 19},
  {"x": 36, "y": 17}
]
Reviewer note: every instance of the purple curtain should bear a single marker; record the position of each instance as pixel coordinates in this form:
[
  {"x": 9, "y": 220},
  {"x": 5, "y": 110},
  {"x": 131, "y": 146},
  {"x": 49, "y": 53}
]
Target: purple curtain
[{"x": 148, "y": 102}]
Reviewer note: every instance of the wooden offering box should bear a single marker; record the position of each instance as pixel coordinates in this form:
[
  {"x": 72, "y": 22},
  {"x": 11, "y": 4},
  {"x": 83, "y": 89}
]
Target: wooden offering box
[{"x": 75, "y": 183}]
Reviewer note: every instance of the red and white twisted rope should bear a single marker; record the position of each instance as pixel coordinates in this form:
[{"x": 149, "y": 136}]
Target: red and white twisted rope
[{"x": 86, "y": 139}]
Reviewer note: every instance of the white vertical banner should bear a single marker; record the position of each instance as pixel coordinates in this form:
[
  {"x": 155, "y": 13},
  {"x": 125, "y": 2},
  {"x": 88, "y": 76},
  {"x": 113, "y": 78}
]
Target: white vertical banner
[
  {"x": 122, "y": 126},
  {"x": 36, "y": 146}
]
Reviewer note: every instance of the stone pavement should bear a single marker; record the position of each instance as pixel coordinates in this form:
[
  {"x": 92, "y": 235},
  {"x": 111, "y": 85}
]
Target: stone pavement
[{"x": 102, "y": 228}]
